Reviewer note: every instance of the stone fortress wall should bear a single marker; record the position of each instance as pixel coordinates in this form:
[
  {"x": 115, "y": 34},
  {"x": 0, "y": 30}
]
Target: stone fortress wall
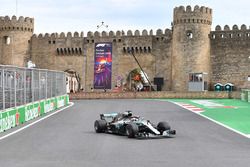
[
  {"x": 15, "y": 36},
  {"x": 191, "y": 44},
  {"x": 76, "y": 52},
  {"x": 171, "y": 53},
  {"x": 230, "y": 55}
]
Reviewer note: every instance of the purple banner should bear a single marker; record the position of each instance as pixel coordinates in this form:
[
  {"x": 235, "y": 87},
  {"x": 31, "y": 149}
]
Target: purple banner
[{"x": 103, "y": 65}]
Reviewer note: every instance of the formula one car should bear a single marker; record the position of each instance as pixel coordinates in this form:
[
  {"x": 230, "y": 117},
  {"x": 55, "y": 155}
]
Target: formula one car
[{"x": 131, "y": 126}]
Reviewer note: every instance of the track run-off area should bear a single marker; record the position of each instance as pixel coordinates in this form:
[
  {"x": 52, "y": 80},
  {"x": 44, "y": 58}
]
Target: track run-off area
[
  {"x": 67, "y": 137},
  {"x": 232, "y": 114}
]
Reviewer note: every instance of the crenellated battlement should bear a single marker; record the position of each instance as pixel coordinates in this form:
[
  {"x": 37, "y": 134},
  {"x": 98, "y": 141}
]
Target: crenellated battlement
[
  {"x": 235, "y": 27},
  {"x": 14, "y": 24},
  {"x": 56, "y": 35},
  {"x": 104, "y": 34},
  {"x": 129, "y": 33},
  {"x": 231, "y": 33},
  {"x": 200, "y": 15},
  {"x": 197, "y": 9}
]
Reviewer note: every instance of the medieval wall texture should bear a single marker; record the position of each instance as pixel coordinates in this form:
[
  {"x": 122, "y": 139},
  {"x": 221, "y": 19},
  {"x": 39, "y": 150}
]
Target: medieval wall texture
[
  {"x": 15, "y": 36},
  {"x": 188, "y": 47},
  {"x": 230, "y": 55},
  {"x": 191, "y": 44}
]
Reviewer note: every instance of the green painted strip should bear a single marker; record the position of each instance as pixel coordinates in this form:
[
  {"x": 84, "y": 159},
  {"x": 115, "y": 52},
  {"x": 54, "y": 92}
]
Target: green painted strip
[{"x": 229, "y": 112}]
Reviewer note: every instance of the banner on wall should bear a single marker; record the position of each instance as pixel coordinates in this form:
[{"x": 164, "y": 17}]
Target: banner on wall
[{"x": 103, "y": 65}]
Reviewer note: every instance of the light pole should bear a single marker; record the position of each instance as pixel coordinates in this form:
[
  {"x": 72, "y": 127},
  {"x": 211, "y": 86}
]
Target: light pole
[{"x": 102, "y": 25}]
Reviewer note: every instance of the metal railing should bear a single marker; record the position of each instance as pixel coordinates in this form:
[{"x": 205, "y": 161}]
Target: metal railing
[{"x": 20, "y": 86}]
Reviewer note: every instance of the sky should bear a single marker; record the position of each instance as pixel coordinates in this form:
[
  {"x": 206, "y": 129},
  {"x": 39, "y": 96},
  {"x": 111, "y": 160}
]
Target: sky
[{"x": 85, "y": 15}]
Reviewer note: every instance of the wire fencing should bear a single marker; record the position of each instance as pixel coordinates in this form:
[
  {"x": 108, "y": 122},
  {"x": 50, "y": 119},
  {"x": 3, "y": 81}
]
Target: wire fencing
[{"x": 19, "y": 86}]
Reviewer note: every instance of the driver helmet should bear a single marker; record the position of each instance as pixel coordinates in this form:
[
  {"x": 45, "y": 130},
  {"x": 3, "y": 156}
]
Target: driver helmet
[{"x": 128, "y": 113}]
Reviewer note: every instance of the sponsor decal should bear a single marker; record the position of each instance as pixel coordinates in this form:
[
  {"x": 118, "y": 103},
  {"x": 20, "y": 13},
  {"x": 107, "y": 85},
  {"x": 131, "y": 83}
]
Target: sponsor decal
[
  {"x": 7, "y": 122},
  {"x": 60, "y": 103},
  {"x": 31, "y": 113},
  {"x": 17, "y": 117},
  {"x": 49, "y": 107}
]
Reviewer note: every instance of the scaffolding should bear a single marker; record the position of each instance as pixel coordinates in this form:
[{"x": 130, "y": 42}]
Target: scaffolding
[{"x": 19, "y": 86}]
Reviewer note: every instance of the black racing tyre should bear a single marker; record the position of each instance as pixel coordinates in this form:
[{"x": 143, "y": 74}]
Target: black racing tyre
[
  {"x": 100, "y": 126},
  {"x": 132, "y": 130},
  {"x": 162, "y": 126}
]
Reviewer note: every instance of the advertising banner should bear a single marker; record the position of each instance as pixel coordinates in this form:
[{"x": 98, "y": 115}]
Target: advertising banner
[
  {"x": 61, "y": 101},
  {"x": 32, "y": 111},
  {"x": 7, "y": 119},
  {"x": 15, "y": 116},
  {"x": 50, "y": 105},
  {"x": 103, "y": 65}
]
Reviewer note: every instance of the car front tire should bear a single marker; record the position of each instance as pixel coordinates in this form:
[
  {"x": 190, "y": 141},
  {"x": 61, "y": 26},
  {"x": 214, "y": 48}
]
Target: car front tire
[{"x": 163, "y": 126}]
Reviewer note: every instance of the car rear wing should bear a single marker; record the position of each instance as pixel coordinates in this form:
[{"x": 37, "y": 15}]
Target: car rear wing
[{"x": 108, "y": 117}]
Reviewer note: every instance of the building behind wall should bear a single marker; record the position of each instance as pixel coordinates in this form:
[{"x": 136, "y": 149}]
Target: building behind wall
[{"x": 188, "y": 47}]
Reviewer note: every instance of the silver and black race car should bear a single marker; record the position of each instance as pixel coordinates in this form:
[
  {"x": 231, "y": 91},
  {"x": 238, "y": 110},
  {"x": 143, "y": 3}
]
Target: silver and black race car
[{"x": 132, "y": 126}]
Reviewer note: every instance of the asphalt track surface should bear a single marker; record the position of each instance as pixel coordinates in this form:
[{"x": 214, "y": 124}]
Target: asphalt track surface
[{"x": 67, "y": 139}]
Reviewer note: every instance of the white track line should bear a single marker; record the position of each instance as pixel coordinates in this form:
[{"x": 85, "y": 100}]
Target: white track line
[
  {"x": 225, "y": 126},
  {"x": 35, "y": 122}
]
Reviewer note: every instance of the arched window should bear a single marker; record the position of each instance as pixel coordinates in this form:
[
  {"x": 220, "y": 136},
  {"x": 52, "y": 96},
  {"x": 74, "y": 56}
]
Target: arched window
[
  {"x": 132, "y": 50},
  {"x": 58, "y": 51},
  {"x": 136, "y": 50},
  {"x": 128, "y": 49},
  {"x": 61, "y": 51},
  {"x": 6, "y": 40},
  {"x": 140, "y": 49},
  {"x": 149, "y": 49}
]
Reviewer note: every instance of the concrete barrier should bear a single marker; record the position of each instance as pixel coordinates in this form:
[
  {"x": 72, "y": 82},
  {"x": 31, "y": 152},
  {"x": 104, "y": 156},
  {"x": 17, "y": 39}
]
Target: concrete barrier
[
  {"x": 154, "y": 95},
  {"x": 15, "y": 116}
]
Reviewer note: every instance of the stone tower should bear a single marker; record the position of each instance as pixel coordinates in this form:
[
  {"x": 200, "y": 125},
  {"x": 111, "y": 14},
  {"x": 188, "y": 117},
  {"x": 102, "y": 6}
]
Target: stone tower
[
  {"x": 191, "y": 44},
  {"x": 14, "y": 40}
]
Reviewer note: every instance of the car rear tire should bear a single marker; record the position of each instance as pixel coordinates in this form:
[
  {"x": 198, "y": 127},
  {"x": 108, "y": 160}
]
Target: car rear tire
[
  {"x": 132, "y": 130},
  {"x": 100, "y": 126},
  {"x": 162, "y": 126}
]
